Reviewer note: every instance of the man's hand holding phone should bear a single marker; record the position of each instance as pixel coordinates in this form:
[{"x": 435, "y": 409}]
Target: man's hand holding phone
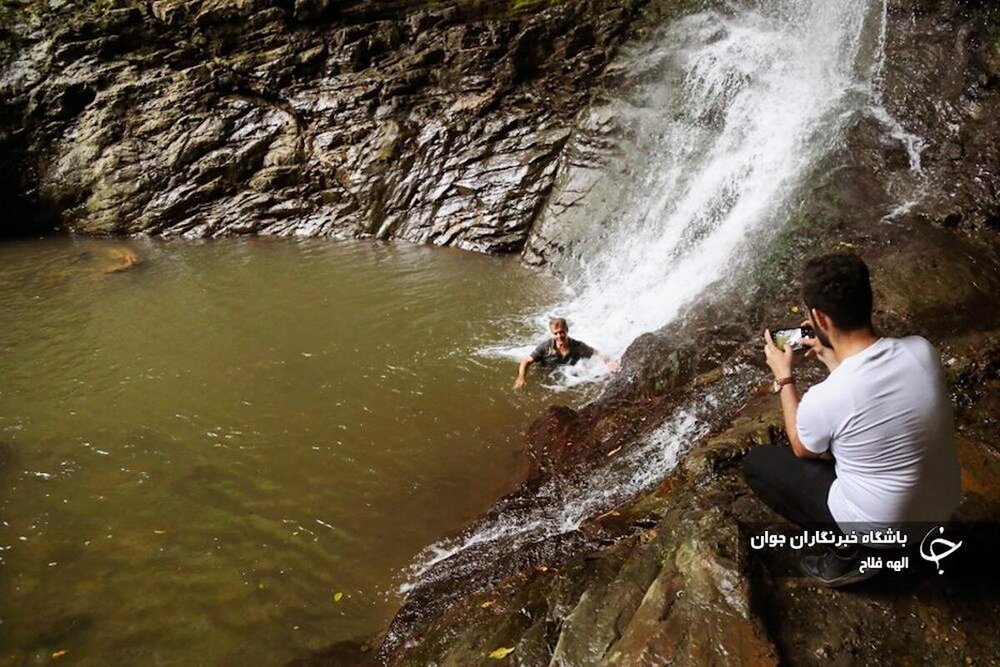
[
  {"x": 778, "y": 359},
  {"x": 815, "y": 349}
]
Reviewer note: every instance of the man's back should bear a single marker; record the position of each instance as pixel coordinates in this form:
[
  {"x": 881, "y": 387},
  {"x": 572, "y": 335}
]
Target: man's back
[{"x": 886, "y": 416}]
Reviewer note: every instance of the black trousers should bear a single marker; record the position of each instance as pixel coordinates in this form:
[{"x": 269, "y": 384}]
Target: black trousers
[{"x": 794, "y": 488}]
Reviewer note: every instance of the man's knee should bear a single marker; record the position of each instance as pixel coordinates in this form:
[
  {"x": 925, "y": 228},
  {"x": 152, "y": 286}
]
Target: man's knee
[{"x": 758, "y": 465}]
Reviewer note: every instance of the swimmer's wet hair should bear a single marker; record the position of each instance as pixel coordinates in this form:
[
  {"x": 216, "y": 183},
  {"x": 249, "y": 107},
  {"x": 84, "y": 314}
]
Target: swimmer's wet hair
[{"x": 553, "y": 321}]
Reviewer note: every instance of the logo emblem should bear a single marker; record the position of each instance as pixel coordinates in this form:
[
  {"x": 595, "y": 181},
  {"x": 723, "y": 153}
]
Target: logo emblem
[{"x": 933, "y": 556}]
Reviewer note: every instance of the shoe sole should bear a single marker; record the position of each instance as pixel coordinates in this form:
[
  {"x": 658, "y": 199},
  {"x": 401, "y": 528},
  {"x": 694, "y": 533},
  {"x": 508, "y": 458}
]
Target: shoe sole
[{"x": 843, "y": 580}]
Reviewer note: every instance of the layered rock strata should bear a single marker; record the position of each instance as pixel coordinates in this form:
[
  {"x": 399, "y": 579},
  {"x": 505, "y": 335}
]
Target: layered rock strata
[{"x": 430, "y": 122}]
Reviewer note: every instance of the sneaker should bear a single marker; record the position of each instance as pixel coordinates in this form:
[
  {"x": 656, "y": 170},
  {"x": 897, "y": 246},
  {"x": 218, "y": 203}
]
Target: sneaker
[{"x": 834, "y": 570}]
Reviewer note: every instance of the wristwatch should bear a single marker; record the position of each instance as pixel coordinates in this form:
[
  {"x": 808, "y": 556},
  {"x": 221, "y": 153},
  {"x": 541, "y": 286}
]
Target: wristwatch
[{"x": 779, "y": 383}]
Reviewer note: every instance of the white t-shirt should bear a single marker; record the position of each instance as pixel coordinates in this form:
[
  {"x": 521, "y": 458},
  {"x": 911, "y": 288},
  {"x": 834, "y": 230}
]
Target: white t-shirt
[{"x": 884, "y": 414}]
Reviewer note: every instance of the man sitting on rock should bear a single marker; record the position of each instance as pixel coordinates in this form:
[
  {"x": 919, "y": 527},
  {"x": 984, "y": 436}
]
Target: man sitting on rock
[
  {"x": 873, "y": 444},
  {"x": 559, "y": 350}
]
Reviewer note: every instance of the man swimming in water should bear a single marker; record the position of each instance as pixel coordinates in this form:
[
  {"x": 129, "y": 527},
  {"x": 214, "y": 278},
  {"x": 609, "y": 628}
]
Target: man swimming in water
[{"x": 559, "y": 350}]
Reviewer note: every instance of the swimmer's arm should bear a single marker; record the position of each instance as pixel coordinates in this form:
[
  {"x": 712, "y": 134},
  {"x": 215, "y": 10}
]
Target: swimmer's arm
[
  {"x": 612, "y": 365},
  {"x": 522, "y": 370}
]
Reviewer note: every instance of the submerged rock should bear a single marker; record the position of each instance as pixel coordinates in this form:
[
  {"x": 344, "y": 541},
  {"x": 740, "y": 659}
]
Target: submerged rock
[{"x": 120, "y": 259}]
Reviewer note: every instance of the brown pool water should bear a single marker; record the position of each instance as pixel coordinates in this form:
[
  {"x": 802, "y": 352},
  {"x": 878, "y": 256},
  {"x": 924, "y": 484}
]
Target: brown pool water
[{"x": 231, "y": 452}]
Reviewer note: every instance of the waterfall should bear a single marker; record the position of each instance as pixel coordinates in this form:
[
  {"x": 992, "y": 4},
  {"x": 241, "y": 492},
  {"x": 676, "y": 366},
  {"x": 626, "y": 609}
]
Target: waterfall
[{"x": 744, "y": 103}]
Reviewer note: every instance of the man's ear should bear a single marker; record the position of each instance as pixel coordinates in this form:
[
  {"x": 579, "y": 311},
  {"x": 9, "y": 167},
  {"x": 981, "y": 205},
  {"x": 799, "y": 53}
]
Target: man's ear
[{"x": 820, "y": 319}]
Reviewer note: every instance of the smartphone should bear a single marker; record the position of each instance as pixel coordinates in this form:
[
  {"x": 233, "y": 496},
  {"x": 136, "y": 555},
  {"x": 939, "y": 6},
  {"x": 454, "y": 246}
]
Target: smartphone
[{"x": 792, "y": 337}]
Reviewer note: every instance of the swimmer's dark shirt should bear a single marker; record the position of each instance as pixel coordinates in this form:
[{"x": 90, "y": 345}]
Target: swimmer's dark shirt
[{"x": 547, "y": 354}]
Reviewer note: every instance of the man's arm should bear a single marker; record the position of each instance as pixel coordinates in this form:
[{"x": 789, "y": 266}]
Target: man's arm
[
  {"x": 780, "y": 362},
  {"x": 819, "y": 351},
  {"x": 609, "y": 362},
  {"x": 588, "y": 351},
  {"x": 790, "y": 409},
  {"x": 522, "y": 371}
]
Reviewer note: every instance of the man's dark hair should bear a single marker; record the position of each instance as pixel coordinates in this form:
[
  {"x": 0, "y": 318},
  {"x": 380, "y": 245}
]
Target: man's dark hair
[
  {"x": 839, "y": 285},
  {"x": 558, "y": 321}
]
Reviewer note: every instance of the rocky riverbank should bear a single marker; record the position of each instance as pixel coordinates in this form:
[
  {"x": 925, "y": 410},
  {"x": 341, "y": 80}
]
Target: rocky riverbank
[
  {"x": 460, "y": 125},
  {"x": 669, "y": 578}
]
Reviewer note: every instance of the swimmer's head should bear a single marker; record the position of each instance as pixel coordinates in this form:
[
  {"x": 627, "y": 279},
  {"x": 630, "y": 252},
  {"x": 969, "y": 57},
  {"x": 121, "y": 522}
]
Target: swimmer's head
[{"x": 558, "y": 327}]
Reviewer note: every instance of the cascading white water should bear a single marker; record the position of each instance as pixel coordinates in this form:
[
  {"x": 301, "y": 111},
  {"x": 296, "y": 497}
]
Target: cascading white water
[
  {"x": 748, "y": 101},
  {"x": 561, "y": 505},
  {"x": 750, "y": 98}
]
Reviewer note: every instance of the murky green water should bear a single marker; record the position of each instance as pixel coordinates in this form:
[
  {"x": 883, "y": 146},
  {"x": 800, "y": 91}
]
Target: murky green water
[{"x": 198, "y": 454}]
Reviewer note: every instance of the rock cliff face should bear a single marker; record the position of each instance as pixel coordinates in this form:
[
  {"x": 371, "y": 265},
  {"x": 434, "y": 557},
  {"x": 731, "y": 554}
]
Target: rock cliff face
[{"x": 431, "y": 122}]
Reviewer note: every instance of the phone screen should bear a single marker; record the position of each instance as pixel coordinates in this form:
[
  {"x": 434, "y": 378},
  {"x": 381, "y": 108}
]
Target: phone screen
[{"x": 793, "y": 337}]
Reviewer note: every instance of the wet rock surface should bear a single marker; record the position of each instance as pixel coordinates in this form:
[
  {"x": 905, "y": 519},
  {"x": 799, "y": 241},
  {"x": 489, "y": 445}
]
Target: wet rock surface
[
  {"x": 430, "y": 122},
  {"x": 923, "y": 148}
]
